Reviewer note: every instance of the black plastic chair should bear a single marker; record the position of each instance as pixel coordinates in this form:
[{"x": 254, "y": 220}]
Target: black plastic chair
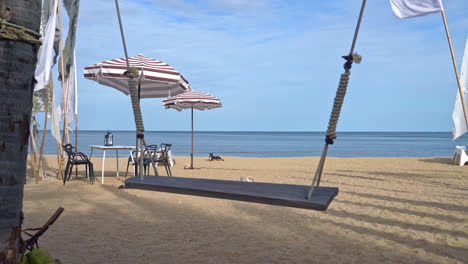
[
  {"x": 153, "y": 149},
  {"x": 161, "y": 155},
  {"x": 77, "y": 158},
  {"x": 131, "y": 159}
]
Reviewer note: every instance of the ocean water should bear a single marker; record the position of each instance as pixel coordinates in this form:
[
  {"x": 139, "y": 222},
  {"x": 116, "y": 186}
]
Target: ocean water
[{"x": 280, "y": 144}]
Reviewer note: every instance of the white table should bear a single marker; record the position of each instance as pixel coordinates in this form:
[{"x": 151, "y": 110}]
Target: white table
[{"x": 104, "y": 148}]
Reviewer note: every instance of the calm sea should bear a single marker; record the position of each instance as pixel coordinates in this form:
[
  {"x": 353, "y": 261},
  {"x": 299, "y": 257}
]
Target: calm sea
[{"x": 282, "y": 144}]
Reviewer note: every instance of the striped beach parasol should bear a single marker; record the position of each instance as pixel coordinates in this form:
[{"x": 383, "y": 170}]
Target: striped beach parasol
[
  {"x": 154, "y": 79},
  {"x": 192, "y": 100},
  {"x": 158, "y": 79}
]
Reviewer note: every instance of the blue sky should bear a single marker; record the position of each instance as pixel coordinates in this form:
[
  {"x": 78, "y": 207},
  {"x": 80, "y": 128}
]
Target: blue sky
[{"x": 276, "y": 64}]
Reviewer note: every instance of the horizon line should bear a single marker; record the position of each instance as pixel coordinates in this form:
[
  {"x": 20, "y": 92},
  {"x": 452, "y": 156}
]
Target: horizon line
[{"x": 278, "y": 131}]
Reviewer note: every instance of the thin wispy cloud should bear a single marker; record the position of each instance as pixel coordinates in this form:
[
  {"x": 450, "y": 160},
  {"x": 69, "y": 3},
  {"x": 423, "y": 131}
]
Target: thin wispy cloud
[{"x": 276, "y": 64}]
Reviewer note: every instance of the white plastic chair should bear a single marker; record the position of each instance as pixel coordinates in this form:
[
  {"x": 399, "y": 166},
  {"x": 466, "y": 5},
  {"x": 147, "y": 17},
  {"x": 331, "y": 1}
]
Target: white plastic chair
[{"x": 460, "y": 154}]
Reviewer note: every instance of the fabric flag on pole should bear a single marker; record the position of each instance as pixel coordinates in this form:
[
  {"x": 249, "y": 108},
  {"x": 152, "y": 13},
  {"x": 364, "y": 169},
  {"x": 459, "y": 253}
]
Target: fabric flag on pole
[
  {"x": 415, "y": 8},
  {"x": 42, "y": 73},
  {"x": 72, "y": 103},
  {"x": 459, "y": 124},
  {"x": 72, "y": 7},
  {"x": 54, "y": 120},
  {"x": 47, "y": 9}
]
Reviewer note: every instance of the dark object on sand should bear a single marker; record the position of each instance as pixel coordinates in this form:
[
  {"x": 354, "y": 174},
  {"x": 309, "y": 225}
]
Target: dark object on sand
[
  {"x": 32, "y": 241},
  {"x": 213, "y": 157}
]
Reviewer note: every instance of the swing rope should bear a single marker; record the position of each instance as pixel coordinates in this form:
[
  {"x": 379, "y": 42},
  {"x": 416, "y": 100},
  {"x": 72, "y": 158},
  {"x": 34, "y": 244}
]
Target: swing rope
[
  {"x": 132, "y": 83},
  {"x": 337, "y": 104},
  {"x": 133, "y": 79}
]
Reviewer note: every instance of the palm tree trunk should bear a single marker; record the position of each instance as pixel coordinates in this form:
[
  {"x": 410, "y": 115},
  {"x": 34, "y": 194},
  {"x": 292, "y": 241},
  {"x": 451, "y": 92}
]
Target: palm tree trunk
[{"x": 17, "y": 65}]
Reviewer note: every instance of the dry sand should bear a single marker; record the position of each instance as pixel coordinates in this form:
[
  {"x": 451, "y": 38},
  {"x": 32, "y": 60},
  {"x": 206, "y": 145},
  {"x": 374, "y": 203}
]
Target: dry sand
[{"x": 389, "y": 210}]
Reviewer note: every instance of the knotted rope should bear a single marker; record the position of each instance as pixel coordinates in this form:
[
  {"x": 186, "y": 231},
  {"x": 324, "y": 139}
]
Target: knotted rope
[
  {"x": 15, "y": 32},
  {"x": 337, "y": 104},
  {"x": 339, "y": 97}
]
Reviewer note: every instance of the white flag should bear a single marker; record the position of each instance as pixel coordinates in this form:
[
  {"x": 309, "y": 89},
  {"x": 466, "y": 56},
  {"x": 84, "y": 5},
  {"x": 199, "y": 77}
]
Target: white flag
[
  {"x": 414, "y": 8},
  {"x": 458, "y": 116},
  {"x": 54, "y": 120},
  {"x": 72, "y": 98},
  {"x": 42, "y": 73},
  {"x": 73, "y": 103}
]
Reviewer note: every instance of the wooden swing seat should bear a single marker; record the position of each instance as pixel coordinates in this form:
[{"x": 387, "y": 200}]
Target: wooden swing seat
[{"x": 257, "y": 192}]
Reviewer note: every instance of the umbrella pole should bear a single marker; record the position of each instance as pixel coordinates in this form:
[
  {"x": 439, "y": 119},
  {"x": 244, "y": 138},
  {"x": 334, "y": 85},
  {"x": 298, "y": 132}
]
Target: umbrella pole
[
  {"x": 191, "y": 161},
  {"x": 137, "y": 150},
  {"x": 140, "y": 163}
]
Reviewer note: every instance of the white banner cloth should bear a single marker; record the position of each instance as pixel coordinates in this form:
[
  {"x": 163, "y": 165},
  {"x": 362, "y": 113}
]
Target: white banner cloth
[
  {"x": 458, "y": 117},
  {"x": 54, "y": 120},
  {"x": 72, "y": 103},
  {"x": 415, "y": 8},
  {"x": 42, "y": 73}
]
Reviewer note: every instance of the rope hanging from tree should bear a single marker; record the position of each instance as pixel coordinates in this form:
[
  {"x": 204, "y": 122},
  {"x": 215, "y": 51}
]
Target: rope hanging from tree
[
  {"x": 132, "y": 83},
  {"x": 133, "y": 79},
  {"x": 15, "y": 32},
  {"x": 337, "y": 104},
  {"x": 335, "y": 114},
  {"x": 339, "y": 98}
]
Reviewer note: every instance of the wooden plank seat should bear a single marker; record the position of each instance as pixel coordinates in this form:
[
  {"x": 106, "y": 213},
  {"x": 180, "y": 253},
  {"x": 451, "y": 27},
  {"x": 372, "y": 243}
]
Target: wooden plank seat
[{"x": 258, "y": 192}]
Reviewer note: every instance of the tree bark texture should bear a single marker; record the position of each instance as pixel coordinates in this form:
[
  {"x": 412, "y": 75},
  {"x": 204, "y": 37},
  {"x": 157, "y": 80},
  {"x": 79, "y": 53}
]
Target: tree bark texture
[{"x": 17, "y": 66}]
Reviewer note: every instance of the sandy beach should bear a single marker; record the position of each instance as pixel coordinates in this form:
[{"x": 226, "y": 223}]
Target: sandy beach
[{"x": 389, "y": 210}]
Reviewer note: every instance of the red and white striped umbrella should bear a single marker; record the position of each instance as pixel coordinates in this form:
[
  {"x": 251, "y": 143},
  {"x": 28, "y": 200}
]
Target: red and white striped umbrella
[
  {"x": 158, "y": 79},
  {"x": 192, "y": 100}
]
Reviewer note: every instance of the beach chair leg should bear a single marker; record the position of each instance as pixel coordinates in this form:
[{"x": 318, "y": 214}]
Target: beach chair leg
[
  {"x": 126, "y": 171},
  {"x": 165, "y": 167},
  {"x": 70, "y": 171},
  {"x": 91, "y": 178},
  {"x": 168, "y": 168},
  {"x": 454, "y": 158},
  {"x": 65, "y": 173},
  {"x": 91, "y": 172}
]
